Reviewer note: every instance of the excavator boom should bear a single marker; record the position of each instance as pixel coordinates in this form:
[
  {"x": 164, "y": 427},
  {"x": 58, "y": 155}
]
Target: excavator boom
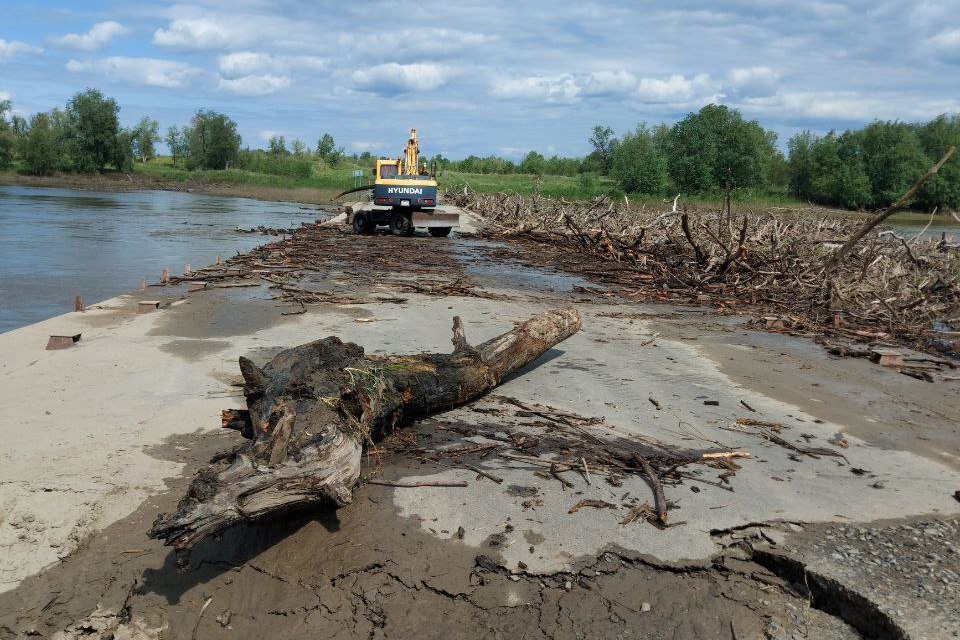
[{"x": 411, "y": 162}]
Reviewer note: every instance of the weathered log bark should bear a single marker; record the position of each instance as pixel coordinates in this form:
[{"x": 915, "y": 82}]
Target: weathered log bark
[{"x": 313, "y": 407}]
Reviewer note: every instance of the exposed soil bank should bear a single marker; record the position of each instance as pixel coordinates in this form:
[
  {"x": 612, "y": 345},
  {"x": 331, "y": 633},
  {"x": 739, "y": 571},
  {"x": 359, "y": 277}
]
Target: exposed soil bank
[{"x": 139, "y": 182}]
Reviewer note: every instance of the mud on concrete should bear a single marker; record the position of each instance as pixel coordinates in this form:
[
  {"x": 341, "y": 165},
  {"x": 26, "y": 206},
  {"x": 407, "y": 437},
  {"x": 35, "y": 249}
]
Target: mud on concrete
[{"x": 363, "y": 571}]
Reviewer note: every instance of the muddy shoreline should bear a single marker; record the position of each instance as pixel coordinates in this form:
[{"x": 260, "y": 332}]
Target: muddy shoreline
[{"x": 122, "y": 182}]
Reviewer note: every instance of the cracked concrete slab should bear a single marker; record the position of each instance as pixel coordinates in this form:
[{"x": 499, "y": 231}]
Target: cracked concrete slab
[{"x": 90, "y": 457}]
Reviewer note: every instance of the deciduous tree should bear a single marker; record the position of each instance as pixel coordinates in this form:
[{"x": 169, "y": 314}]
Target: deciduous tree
[
  {"x": 212, "y": 141},
  {"x": 145, "y": 137},
  {"x": 94, "y": 129},
  {"x": 637, "y": 165}
]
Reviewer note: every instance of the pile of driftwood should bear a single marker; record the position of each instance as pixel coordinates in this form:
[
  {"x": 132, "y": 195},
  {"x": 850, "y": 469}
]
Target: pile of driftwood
[
  {"x": 562, "y": 446},
  {"x": 826, "y": 275},
  {"x": 318, "y": 264}
]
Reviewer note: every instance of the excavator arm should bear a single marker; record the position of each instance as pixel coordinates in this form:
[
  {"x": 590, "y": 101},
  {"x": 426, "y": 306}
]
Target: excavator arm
[{"x": 411, "y": 161}]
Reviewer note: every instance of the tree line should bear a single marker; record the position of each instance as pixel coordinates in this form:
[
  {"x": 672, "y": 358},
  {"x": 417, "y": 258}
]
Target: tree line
[
  {"x": 716, "y": 148},
  {"x": 85, "y": 136},
  {"x": 703, "y": 154}
]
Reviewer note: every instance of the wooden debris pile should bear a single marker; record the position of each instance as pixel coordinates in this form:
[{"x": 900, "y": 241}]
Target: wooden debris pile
[
  {"x": 771, "y": 264},
  {"x": 319, "y": 264},
  {"x": 560, "y": 444}
]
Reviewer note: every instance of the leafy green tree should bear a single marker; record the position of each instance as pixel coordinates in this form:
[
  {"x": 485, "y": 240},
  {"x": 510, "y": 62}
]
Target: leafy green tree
[
  {"x": 936, "y": 136},
  {"x": 838, "y": 173},
  {"x": 212, "y": 141},
  {"x": 800, "y": 163},
  {"x": 637, "y": 165},
  {"x": 533, "y": 163},
  {"x": 40, "y": 149},
  {"x": 602, "y": 141},
  {"x": 278, "y": 146},
  {"x": 299, "y": 149},
  {"x": 123, "y": 156},
  {"x": 893, "y": 159},
  {"x": 325, "y": 147},
  {"x": 8, "y": 140},
  {"x": 146, "y": 135},
  {"x": 716, "y": 144},
  {"x": 176, "y": 140},
  {"x": 95, "y": 130}
]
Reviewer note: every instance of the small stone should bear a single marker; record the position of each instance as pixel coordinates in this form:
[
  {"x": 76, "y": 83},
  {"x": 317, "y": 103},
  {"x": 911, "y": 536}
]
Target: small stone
[
  {"x": 461, "y": 532},
  {"x": 567, "y": 585},
  {"x": 645, "y": 607},
  {"x": 515, "y": 578}
]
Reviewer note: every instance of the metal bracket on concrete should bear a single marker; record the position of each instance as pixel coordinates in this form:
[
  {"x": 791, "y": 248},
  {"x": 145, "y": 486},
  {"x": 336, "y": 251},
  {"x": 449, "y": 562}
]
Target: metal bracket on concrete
[{"x": 62, "y": 342}]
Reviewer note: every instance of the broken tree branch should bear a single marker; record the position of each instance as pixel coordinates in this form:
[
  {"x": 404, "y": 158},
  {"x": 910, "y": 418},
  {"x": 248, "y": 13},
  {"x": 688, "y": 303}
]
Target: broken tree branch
[
  {"x": 313, "y": 407},
  {"x": 842, "y": 252}
]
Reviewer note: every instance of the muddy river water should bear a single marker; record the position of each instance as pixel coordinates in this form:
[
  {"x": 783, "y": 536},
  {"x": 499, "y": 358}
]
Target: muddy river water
[{"x": 57, "y": 243}]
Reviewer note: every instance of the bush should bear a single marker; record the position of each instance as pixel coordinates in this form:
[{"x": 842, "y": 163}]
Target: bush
[
  {"x": 40, "y": 148},
  {"x": 637, "y": 165},
  {"x": 277, "y": 165}
]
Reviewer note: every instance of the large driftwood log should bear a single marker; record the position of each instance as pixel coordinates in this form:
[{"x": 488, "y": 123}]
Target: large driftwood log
[{"x": 312, "y": 408}]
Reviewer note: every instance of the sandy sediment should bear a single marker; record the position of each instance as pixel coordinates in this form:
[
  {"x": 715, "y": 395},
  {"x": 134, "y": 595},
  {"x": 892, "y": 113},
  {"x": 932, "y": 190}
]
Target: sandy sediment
[{"x": 100, "y": 432}]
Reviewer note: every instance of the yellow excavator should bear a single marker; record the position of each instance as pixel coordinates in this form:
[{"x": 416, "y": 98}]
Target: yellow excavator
[{"x": 404, "y": 197}]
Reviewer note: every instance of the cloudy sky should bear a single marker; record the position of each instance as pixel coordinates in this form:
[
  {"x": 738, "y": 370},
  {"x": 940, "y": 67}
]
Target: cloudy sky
[{"x": 498, "y": 76}]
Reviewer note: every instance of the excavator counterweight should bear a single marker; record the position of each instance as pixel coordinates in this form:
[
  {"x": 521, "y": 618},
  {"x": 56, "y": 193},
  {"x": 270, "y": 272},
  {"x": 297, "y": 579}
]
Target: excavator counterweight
[{"x": 404, "y": 197}]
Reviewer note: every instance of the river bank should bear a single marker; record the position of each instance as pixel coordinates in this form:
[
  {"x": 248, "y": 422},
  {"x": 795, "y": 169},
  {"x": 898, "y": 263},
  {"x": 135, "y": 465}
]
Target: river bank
[
  {"x": 58, "y": 243},
  {"x": 129, "y": 182},
  {"x": 108, "y": 432},
  {"x": 907, "y": 221}
]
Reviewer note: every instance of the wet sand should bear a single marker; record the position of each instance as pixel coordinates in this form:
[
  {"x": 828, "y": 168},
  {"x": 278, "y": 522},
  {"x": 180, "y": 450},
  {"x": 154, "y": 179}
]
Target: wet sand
[{"x": 118, "y": 424}]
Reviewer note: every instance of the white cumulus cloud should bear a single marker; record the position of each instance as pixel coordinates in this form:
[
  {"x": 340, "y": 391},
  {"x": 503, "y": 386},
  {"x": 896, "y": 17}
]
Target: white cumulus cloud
[
  {"x": 98, "y": 36},
  {"x": 363, "y": 145},
  {"x": 11, "y": 49},
  {"x": 754, "y": 81},
  {"x": 392, "y": 78},
  {"x": 677, "y": 89},
  {"x": 196, "y": 33},
  {"x": 254, "y": 85},
  {"x": 607, "y": 83},
  {"x": 152, "y": 72},
  {"x": 243, "y": 63},
  {"x": 411, "y": 43},
  {"x": 558, "y": 88}
]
